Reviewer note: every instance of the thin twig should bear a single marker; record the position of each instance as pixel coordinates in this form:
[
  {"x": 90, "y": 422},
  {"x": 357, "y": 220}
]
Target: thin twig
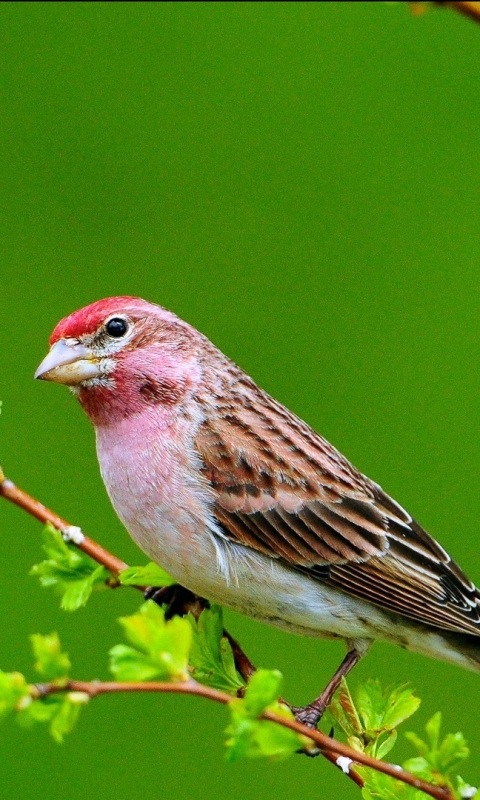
[
  {"x": 325, "y": 743},
  {"x": 330, "y": 748},
  {"x": 42, "y": 513},
  {"x": 464, "y": 7}
]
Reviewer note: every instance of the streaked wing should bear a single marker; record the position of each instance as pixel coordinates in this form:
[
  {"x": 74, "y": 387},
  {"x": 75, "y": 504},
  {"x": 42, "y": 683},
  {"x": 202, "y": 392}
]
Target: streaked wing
[{"x": 282, "y": 489}]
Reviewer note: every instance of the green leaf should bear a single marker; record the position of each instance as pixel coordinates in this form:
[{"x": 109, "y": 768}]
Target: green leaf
[
  {"x": 384, "y": 709},
  {"x": 67, "y": 570},
  {"x": 13, "y": 688},
  {"x": 383, "y": 787},
  {"x": 67, "y": 715},
  {"x": 263, "y": 689},
  {"x": 252, "y": 738},
  {"x": 438, "y": 756},
  {"x": 453, "y": 750},
  {"x": 211, "y": 657},
  {"x": 383, "y": 747},
  {"x": 149, "y": 575},
  {"x": 128, "y": 664},
  {"x": 371, "y": 720},
  {"x": 41, "y": 710},
  {"x": 432, "y": 729},
  {"x": 50, "y": 662},
  {"x": 60, "y": 711},
  {"x": 160, "y": 649},
  {"x": 342, "y": 710}
]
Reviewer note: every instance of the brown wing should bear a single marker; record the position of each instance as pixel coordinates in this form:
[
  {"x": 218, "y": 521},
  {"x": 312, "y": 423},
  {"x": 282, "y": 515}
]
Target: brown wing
[{"x": 283, "y": 490}]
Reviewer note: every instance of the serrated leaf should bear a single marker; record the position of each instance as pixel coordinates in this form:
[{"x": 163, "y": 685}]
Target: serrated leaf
[
  {"x": 383, "y": 787},
  {"x": 161, "y": 648},
  {"x": 348, "y": 707},
  {"x": 452, "y": 751},
  {"x": 59, "y": 711},
  {"x": 418, "y": 743},
  {"x": 51, "y": 663},
  {"x": 384, "y": 746},
  {"x": 253, "y": 738},
  {"x": 128, "y": 664},
  {"x": 211, "y": 657},
  {"x": 442, "y": 756},
  {"x": 433, "y": 729},
  {"x": 418, "y": 765},
  {"x": 400, "y": 704},
  {"x": 67, "y": 570},
  {"x": 64, "y": 720},
  {"x": 149, "y": 575},
  {"x": 39, "y": 711},
  {"x": 13, "y": 687},
  {"x": 262, "y": 690},
  {"x": 342, "y": 710},
  {"x": 384, "y": 709}
]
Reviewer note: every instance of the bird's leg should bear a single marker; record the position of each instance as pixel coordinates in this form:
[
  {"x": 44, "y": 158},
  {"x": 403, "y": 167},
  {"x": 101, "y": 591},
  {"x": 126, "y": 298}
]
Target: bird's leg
[
  {"x": 178, "y": 600},
  {"x": 310, "y": 715}
]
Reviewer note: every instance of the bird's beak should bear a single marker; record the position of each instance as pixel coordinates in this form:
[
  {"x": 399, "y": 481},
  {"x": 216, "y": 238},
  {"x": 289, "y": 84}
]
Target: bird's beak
[{"x": 68, "y": 362}]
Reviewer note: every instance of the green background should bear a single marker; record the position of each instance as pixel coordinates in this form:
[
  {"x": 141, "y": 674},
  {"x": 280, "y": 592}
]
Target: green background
[{"x": 301, "y": 182}]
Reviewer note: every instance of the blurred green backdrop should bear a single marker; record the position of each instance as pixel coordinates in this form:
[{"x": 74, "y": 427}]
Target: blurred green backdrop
[{"x": 299, "y": 181}]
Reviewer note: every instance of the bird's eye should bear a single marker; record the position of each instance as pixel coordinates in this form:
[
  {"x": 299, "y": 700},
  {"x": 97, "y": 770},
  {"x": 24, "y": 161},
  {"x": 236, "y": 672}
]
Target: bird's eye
[{"x": 116, "y": 327}]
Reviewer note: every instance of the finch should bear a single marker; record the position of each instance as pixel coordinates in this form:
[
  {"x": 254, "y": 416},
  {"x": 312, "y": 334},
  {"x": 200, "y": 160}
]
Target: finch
[{"x": 242, "y": 502}]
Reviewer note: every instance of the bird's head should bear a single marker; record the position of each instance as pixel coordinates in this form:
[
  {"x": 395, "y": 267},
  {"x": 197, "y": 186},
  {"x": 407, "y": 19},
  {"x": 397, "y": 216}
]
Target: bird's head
[{"x": 121, "y": 355}]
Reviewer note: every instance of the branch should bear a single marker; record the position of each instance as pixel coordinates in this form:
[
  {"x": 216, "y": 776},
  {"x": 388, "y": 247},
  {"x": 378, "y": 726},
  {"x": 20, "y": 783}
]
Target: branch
[
  {"x": 9, "y": 491},
  {"x": 464, "y": 7},
  {"x": 330, "y": 748}
]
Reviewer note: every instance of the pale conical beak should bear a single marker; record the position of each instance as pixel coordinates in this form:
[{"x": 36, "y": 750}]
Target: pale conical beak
[{"x": 68, "y": 362}]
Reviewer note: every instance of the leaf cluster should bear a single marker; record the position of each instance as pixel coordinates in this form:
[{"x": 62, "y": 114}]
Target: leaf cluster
[
  {"x": 370, "y": 720},
  {"x": 191, "y": 648},
  {"x": 71, "y": 573},
  {"x": 59, "y": 710}
]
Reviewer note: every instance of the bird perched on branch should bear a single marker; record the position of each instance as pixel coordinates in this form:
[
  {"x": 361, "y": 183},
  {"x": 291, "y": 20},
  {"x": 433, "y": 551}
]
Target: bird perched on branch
[{"x": 243, "y": 503}]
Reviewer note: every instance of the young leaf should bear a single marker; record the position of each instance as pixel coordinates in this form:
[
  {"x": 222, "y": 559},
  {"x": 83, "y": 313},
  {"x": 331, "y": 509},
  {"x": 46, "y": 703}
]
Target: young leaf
[
  {"x": 382, "y": 787},
  {"x": 384, "y": 709},
  {"x": 370, "y": 722},
  {"x": 262, "y": 690},
  {"x": 13, "y": 687},
  {"x": 70, "y": 572},
  {"x": 50, "y": 663},
  {"x": 257, "y": 738},
  {"x": 149, "y": 575},
  {"x": 60, "y": 711},
  {"x": 437, "y": 756},
  {"x": 342, "y": 709},
  {"x": 67, "y": 715},
  {"x": 160, "y": 649},
  {"x": 251, "y": 737},
  {"x": 211, "y": 657}
]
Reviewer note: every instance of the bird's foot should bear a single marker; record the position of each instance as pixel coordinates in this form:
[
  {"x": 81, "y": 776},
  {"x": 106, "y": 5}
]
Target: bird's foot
[
  {"x": 308, "y": 715},
  {"x": 311, "y": 714},
  {"x": 178, "y": 600}
]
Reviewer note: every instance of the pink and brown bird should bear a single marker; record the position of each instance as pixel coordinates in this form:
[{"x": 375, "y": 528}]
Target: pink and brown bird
[{"x": 243, "y": 503}]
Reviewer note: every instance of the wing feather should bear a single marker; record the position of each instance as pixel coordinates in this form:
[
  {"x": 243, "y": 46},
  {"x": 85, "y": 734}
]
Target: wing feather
[{"x": 282, "y": 489}]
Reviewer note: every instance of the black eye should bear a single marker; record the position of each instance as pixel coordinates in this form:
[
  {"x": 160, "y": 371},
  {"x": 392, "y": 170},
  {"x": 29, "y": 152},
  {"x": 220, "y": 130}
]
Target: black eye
[{"x": 116, "y": 327}]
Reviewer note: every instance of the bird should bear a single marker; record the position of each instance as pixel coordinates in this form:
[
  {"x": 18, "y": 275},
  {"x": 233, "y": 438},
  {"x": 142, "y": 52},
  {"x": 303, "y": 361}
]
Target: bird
[{"x": 244, "y": 504}]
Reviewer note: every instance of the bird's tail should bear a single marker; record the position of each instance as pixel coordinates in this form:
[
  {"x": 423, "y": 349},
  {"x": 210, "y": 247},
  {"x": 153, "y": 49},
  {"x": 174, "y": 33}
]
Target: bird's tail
[{"x": 462, "y": 649}]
